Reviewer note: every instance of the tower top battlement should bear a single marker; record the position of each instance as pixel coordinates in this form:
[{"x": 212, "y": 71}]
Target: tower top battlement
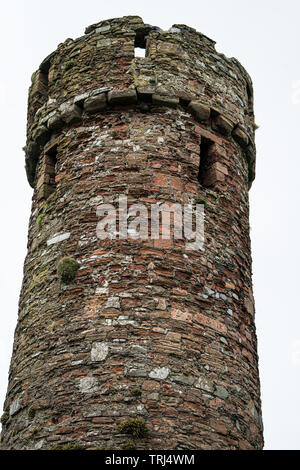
[{"x": 181, "y": 68}]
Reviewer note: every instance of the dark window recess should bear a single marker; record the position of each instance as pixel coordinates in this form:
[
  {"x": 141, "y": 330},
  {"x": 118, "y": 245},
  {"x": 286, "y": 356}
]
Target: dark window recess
[
  {"x": 44, "y": 76},
  {"x": 249, "y": 95},
  {"x": 205, "y": 163},
  {"x": 43, "y": 84},
  {"x": 50, "y": 161},
  {"x": 49, "y": 170},
  {"x": 140, "y": 43},
  {"x": 39, "y": 89}
]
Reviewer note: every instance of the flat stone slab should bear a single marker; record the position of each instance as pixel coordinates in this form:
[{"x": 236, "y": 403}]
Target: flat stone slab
[
  {"x": 122, "y": 97},
  {"x": 95, "y": 103},
  {"x": 58, "y": 238}
]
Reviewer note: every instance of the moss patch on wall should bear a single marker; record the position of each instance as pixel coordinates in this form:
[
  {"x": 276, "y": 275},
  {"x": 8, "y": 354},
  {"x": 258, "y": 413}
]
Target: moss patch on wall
[{"x": 67, "y": 269}]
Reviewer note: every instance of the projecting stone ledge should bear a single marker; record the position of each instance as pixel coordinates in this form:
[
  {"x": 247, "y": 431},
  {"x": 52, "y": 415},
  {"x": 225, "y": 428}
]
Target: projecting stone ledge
[
  {"x": 122, "y": 97},
  {"x": 95, "y": 103},
  {"x": 199, "y": 110},
  {"x": 101, "y": 99}
]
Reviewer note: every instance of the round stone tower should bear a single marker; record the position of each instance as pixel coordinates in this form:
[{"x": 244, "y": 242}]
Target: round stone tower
[{"x": 130, "y": 342}]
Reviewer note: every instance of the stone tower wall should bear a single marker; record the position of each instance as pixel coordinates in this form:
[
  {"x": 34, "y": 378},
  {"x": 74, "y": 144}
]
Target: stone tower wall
[{"x": 148, "y": 334}]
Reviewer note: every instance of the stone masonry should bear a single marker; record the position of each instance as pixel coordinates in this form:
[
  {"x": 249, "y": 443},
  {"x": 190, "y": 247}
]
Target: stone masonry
[{"x": 151, "y": 345}]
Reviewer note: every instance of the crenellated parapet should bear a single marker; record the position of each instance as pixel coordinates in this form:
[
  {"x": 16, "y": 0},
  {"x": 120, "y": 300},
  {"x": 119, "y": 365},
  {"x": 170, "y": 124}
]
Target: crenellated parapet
[{"x": 181, "y": 68}]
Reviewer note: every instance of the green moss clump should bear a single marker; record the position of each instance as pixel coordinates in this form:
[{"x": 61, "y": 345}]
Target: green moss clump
[
  {"x": 69, "y": 64},
  {"x": 136, "y": 392},
  {"x": 67, "y": 269},
  {"x": 202, "y": 201},
  {"x": 42, "y": 215},
  {"x": 31, "y": 412},
  {"x": 134, "y": 426},
  {"x": 129, "y": 445},
  {"x": 4, "y": 418},
  {"x": 68, "y": 446},
  {"x": 39, "y": 219}
]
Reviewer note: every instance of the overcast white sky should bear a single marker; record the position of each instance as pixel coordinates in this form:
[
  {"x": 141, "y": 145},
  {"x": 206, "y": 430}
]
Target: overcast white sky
[{"x": 264, "y": 35}]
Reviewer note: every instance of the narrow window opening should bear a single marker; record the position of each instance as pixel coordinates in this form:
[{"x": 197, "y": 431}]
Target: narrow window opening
[
  {"x": 43, "y": 84},
  {"x": 203, "y": 175},
  {"x": 249, "y": 92},
  {"x": 51, "y": 160},
  {"x": 40, "y": 89},
  {"x": 44, "y": 76},
  {"x": 249, "y": 95},
  {"x": 140, "y": 43},
  {"x": 49, "y": 173}
]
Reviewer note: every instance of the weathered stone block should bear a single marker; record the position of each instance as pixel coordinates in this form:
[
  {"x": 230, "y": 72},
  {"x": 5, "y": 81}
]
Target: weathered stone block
[
  {"x": 55, "y": 122},
  {"x": 221, "y": 392},
  {"x": 102, "y": 29},
  {"x": 99, "y": 352},
  {"x": 88, "y": 384},
  {"x": 240, "y": 136},
  {"x": 204, "y": 383},
  {"x": 41, "y": 135},
  {"x": 15, "y": 406},
  {"x": 163, "y": 100},
  {"x": 122, "y": 96},
  {"x": 199, "y": 110},
  {"x": 145, "y": 91},
  {"x": 95, "y": 103},
  {"x": 58, "y": 238},
  {"x": 223, "y": 125},
  {"x": 104, "y": 42},
  {"x": 185, "y": 97},
  {"x": 159, "y": 373},
  {"x": 70, "y": 113},
  {"x": 136, "y": 372},
  {"x": 79, "y": 99},
  {"x": 183, "y": 379}
]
